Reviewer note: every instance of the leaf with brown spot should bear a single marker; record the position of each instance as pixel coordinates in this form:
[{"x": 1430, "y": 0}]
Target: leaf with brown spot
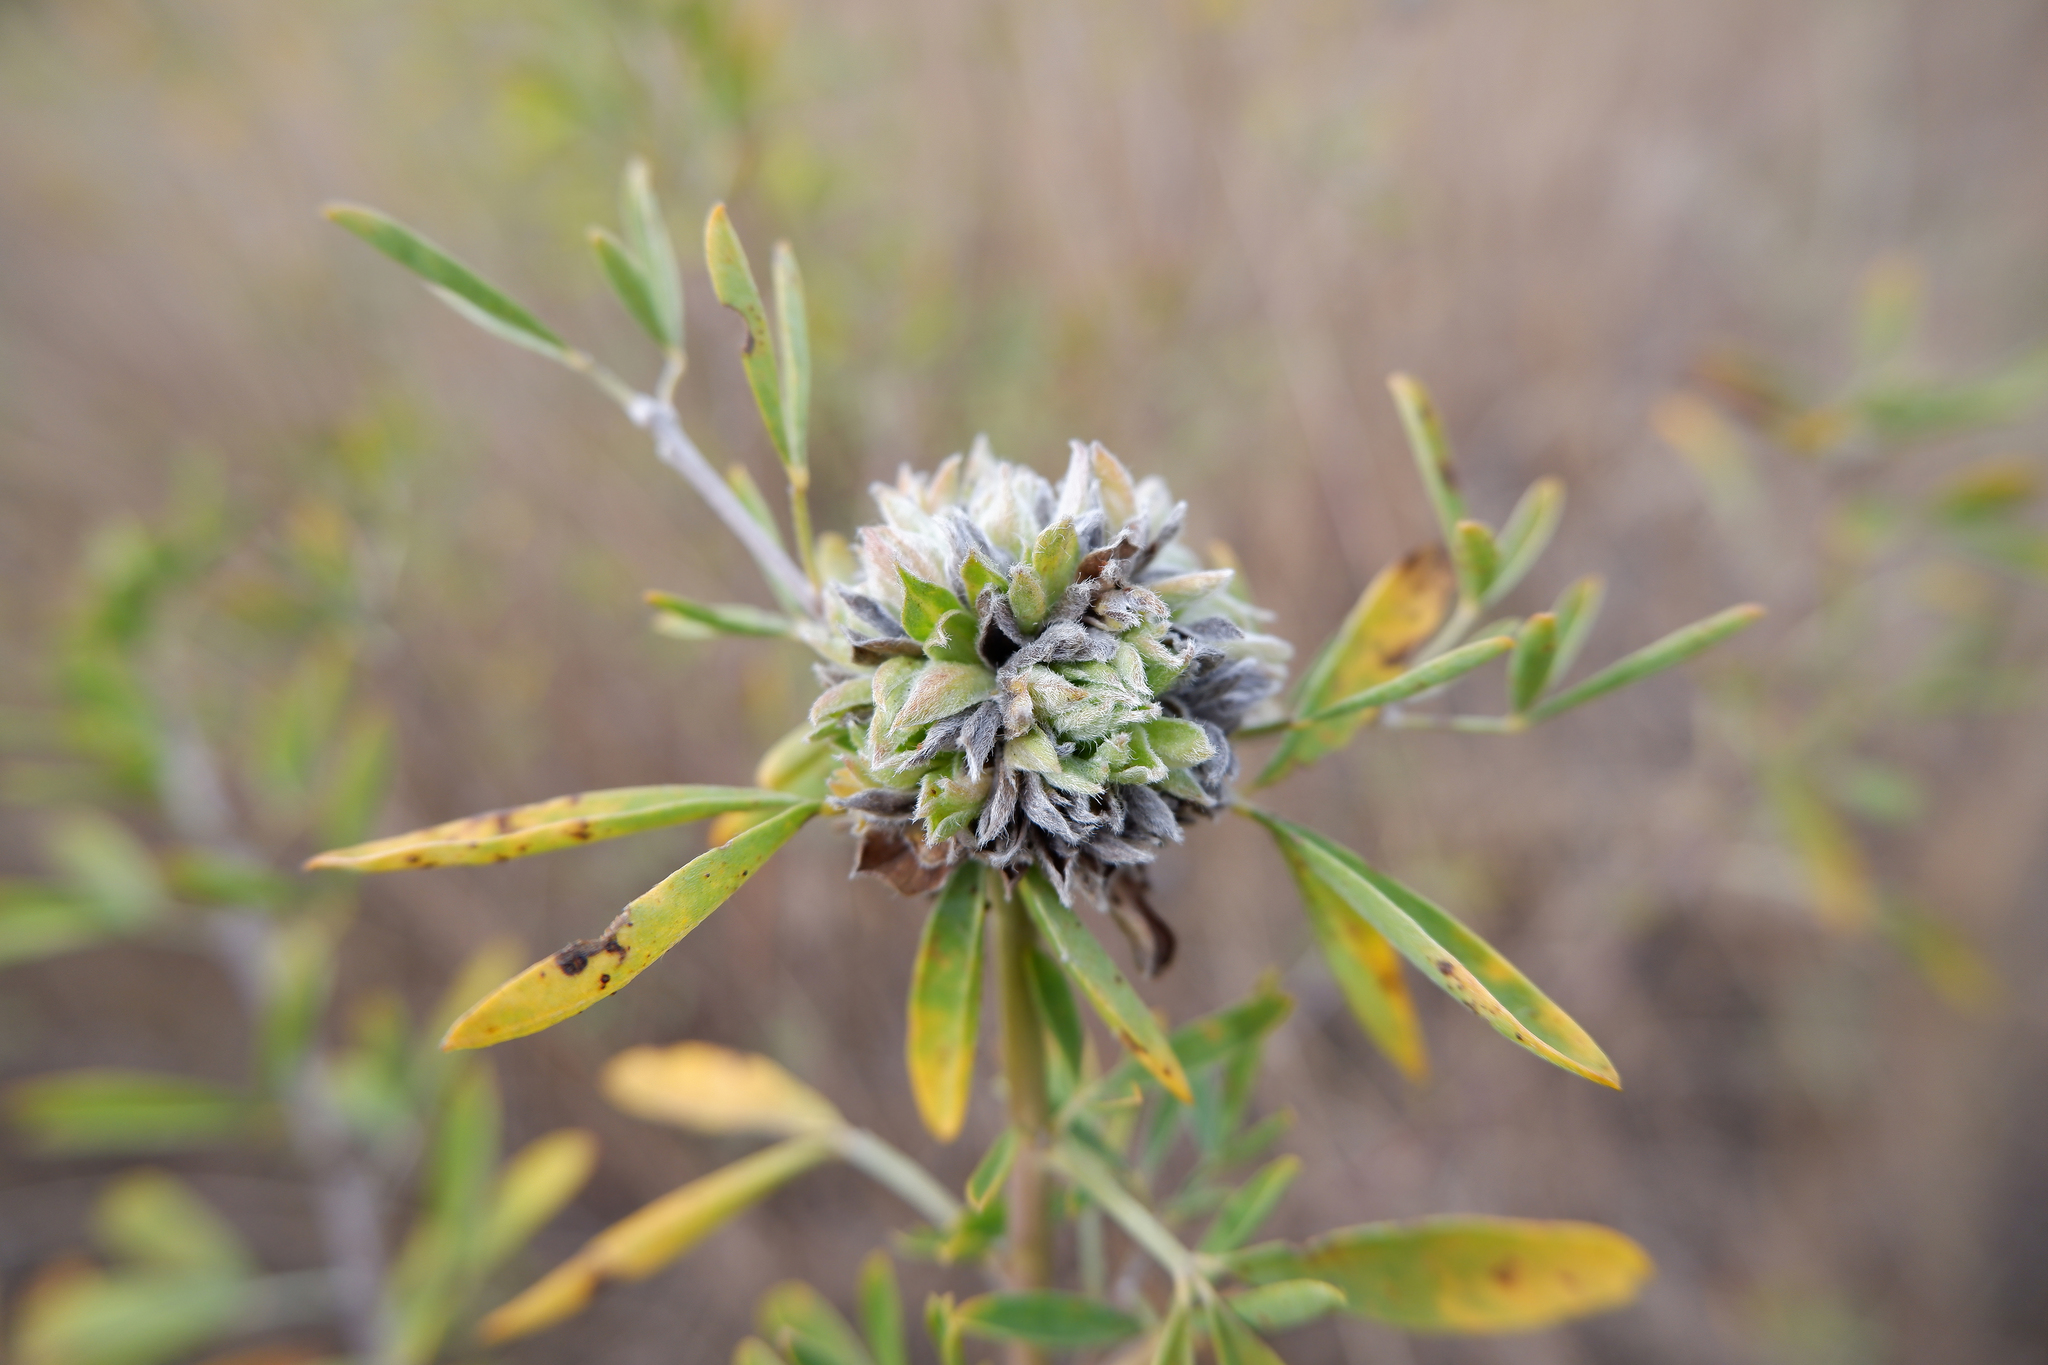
[
  {"x": 1445, "y": 951},
  {"x": 1463, "y": 1274},
  {"x": 1399, "y": 612},
  {"x": 557, "y": 986},
  {"x": 563, "y": 822}
]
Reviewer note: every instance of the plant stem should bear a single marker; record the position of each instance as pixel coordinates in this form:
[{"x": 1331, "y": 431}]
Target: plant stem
[
  {"x": 911, "y": 1182},
  {"x": 1030, "y": 1109}
]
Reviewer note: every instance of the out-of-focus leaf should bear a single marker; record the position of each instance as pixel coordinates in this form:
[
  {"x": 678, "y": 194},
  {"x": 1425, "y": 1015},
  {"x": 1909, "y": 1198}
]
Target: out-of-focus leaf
[
  {"x": 300, "y": 972},
  {"x": 1525, "y": 535},
  {"x": 1888, "y": 313},
  {"x": 198, "y": 876},
  {"x": 881, "y": 1310},
  {"x": 628, "y": 281},
  {"x": 713, "y": 1089},
  {"x": 1838, "y": 881},
  {"x": 572, "y": 980},
  {"x": 1715, "y": 449},
  {"x": 1904, "y": 411},
  {"x": 1174, "y": 1342},
  {"x": 644, "y": 1242},
  {"x": 458, "y": 286},
  {"x": 152, "y": 1319},
  {"x": 1233, "y": 1340},
  {"x": 1947, "y": 960},
  {"x": 756, "y": 502},
  {"x": 564, "y": 822},
  {"x": 1446, "y": 952},
  {"x": 1476, "y": 559},
  {"x": 536, "y": 1184},
  {"x": 1535, "y": 654},
  {"x": 1046, "y": 1317},
  {"x": 793, "y": 328},
  {"x": 697, "y": 620},
  {"x": 1445, "y": 668},
  {"x": 156, "y": 1222},
  {"x": 39, "y": 921},
  {"x": 793, "y": 1311},
  {"x": 1287, "y": 1304},
  {"x": 354, "y": 785},
  {"x": 732, "y": 280},
  {"x": 462, "y": 1152},
  {"x": 1092, "y": 970},
  {"x": 1578, "y": 607},
  {"x": 1989, "y": 492},
  {"x": 1397, "y": 615},
  {"x": 797, "y": 765},
  {"x": 1672, "y": 650},
  {"x": 1367, "y": 970},
  {"x": 945, "y": 1004},
  {"x": 1062, "y": 1018},
  {"x": 1250, "y": 1204},
  {"x": 1464, "y": 1274},
  {"x": 110, "y": 1110},
  {"x": 1425, "y": 432},
  {"x": 109, "y": 867},
  {"x": 754, "y": 1351},
  {"x": 647, "y": 235},
  {"x": 986, "y": 1181}
]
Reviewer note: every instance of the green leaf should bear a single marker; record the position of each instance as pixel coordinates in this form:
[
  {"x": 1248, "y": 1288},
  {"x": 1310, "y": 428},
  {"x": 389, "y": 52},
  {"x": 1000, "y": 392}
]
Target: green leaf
[
  {"x": 39, "y": 921},
  {"x": 1201, "y": 1042},
  {"x": 794, "y": 327},
  {"x": 712, "y": 1089},
  {"x": 1394, "y": 618},
  {"x": 1445, "y": 951},
  {"x": 1368, "y": 970},
  {"x": 754, "y": 1351},
  {"x": 1287, "y": 1304},
  {"x": 992, "y": 1170},
  {"x": 1425, "y": 433},
  {"x": 1249, "y": 1205},
  {"x": 794, "y": 1312},
  {"x": 940, "y": 690},
  {"x": 697, "y": 620},
  {"x": 1535, "y": 653},
  {"x": 1444, "y": 668},
  {"x": 1525, "y": 535},
  {"x": 1578, "y": 607},
  {"x": 1046, "y": 1317},
  {"x": 732, "y": 280},
  {"x": 564, "y": 822},
  {"x": 881, "y": 1310},
  {"x": 156, "y": 1222},
  {"x": 1175, "y": 1342},
  {"x": 571, "y": 981},
  {"x": 535, "y": 1185},
  {"x": 645, "y": 1241},
  {"x": 1055, "y": 557},
  {"x": 463, "y": 1150},
  {"x": 945, "y": 1004},
  {"x": 1463, "y": 1274},
  {"x": 756, "y": 502},
  {"x": 628, "y": 282},
  {"x": 94, "y": 1319},
  {"x": 1062, "y": 1018},
  {"x": 1234, "y": 1341},
  {"x": 1668, "y": 652},
  {"x": 1091, "y": 969},
  {"x": 647, "y": 234},
  {"x": 111, "y": 1110},
  {"x": 458, "y": 286},
  {"x": 924, "y": 604},
  {"x": 112, "y": 870},
  {"x": 1476, "y": 559}
]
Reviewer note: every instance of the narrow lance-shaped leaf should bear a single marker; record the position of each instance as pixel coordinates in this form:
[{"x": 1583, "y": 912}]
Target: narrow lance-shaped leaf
[
  {"x": 1448, "y": 953},
  {"x": 1118, "y": 1005},
  {"x": 156, "y": 1222},
  {"x": 945, "y": 1004},
  {"x": 571, "y": 981},
  {"x": 712, "y": 1089},
  {"x": 1287, "y": 1304},
  {"x": 1199, "y": 1043},
  {"x": 732, "y": 280},
  {"x": 1839, "y": 885},
  {"x": 881, "y": 1310},
  {"x": 1578, "y": 607},
  {"x": 1445, "y": 668},
  {"x": 459, "y": 286},
  {"x": 564, "y": 822},
  {"x": 793, "y": 329},
  {"x": 1525, "y": 535},
  {"x": 536, "y": 1184},
  {"x": 1046, "y": 1317},
  {"x": 112, "y": 1110},
  {"x": 1249, "y": 1205},
  {"x": 794, "y": 1315},
  {"x": 1174, "y": 1343},
  {"x": 1366, "y": 967},
  {"x": 1535, "y": 653},
  {"x": 1233, "y": 1340},
  {"x": 1464, "y": 1274},
  {"x": 701, "y": 620},
  {"x": 1672, "y": 650},
  {"x": 1476, "y": 558},
  {"x": 647, "y": 234},
  {"x": 628, "y": 282},
  {"x": 645, "y": 1241},
  {"x": 1396, "y": 615},
  {"x": 1425, "y": 432},
  {"x": 992, "y": 1170}
]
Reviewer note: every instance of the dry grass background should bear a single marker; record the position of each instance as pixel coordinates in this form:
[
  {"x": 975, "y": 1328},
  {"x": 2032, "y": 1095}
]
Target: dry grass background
[{"x": 1201, "y": 232}]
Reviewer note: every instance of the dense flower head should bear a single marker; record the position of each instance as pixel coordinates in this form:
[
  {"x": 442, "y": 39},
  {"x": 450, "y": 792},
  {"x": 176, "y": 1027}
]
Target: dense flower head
[{"x": 1035, "y": 674}]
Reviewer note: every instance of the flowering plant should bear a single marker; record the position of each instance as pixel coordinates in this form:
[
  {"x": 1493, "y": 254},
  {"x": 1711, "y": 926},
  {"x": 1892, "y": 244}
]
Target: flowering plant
[{"x": 1027, "y": 690}]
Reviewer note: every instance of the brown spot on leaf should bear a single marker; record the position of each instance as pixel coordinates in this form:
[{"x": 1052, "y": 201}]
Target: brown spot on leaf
[
  {"x": 1506, "y": 1273},
  {"x": 604, "y": 980},
  {"x": 580, "y": 830},
  {"x": 503, "y": 820}
]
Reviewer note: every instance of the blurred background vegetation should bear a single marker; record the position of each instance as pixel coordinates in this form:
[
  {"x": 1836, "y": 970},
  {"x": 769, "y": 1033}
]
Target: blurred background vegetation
[{"x": 1201, "y": 232}]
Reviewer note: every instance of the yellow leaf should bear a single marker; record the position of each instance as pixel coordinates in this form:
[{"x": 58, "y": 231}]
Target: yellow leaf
[
  {"x": 1461, "y": 1274},
  {"x": 715, "y": 1090},
  {"x": 1838, "y": 880},
  {"x": 585, "y": 972},
  {"x": 1399, "y": 612},
  {"x": 945, "y": 1005},
  {"x": 1368, "y": 971},
  {"x": 645, "y": 1241},
  {"x": 564, "y": 822},
  {"x": 536, "y": 1182}
]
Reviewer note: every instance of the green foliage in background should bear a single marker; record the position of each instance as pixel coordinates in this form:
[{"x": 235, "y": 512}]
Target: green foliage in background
[{"x": 963, "y": 772}]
